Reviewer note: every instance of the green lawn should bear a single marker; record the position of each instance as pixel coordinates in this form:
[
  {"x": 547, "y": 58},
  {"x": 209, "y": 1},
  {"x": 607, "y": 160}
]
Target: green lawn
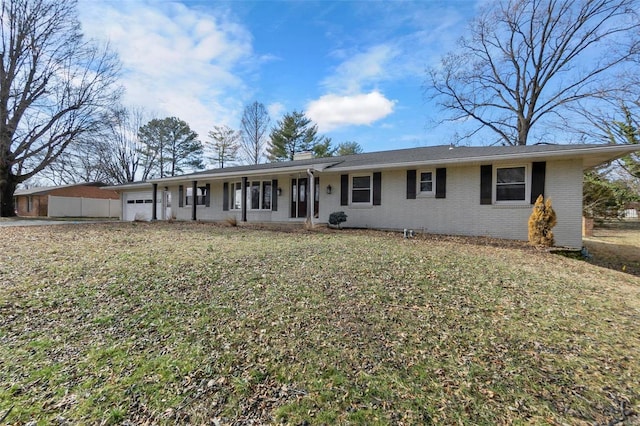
[{"x": 195, "y": 323}]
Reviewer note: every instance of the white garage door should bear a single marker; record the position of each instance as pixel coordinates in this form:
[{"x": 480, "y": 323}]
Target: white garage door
[{"x": 137, "y": 206}]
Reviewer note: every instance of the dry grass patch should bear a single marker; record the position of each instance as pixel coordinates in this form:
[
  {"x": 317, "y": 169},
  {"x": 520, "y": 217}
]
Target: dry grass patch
[
  {"x": 616, "y": 246},
  {"x": 194, "y": 323}
]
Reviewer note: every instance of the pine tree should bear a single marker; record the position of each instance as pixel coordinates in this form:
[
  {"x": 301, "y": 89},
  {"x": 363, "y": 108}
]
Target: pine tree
[
  {"x": 542, "y": 219},
  {"x": 170, "y": 147},
  {"x": 349, "y": 148},
  {"x": 294, "y": 133}
]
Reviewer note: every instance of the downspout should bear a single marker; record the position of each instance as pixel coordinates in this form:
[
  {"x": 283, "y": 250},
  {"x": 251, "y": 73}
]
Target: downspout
[{"x": 311, "y": 201}]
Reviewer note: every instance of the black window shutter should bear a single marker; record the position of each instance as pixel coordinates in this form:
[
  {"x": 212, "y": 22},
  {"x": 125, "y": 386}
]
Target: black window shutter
[
  {"x": 486, "y": 176},
  {"x": 344, "y": 190},
  {"x": 180, "y": 196},
  {"x": 441, "y": 183},
  {"x": 274, "y": 195},
  {"x": 538, "y": 170},
  {"x": 411, "y": 184},
  {"x": 207, "y": 196},
  {"x": 225, "y": 196},
  {"x": 377, "y": 188}
]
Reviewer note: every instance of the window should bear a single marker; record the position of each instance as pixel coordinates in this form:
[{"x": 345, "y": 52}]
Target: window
[
  {"x": 253, "y": 196},
  {"x": 259, "y": 195},
  {"x": 201, "y": 195},
  {"x": 29, "y": 203},
  {"x": 511, "y": 183},
  {"x": 361, "y": 189},
  {"x": 426, "y": 182},
  {"x": 266, "y": 195},
  {"x": 236, "y": 195}
]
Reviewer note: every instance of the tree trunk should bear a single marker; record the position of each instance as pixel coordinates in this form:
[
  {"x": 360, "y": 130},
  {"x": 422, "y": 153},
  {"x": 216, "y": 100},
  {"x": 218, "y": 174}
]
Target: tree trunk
[
  {"x": 523, "y": 131},
  {"x": 7, "y": 188}
]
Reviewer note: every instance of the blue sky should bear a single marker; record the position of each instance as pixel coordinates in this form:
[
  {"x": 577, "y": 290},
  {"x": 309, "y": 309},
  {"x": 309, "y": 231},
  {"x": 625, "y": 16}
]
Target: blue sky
[{"x": 356, "y": 68}]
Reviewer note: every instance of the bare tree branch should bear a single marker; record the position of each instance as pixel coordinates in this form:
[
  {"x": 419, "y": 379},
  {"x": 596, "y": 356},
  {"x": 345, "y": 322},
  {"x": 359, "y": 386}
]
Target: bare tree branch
[
  {"x": 54, "y": 87},
  {"x": 527, "y": 60}
]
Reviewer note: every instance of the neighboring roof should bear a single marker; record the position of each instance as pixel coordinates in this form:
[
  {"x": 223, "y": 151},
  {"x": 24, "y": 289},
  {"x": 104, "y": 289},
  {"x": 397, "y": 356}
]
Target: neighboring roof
[
  {"x": 443, "y": 155},
  {"x": 128, "y": 185},
  {"x": 46, "y": 189}
]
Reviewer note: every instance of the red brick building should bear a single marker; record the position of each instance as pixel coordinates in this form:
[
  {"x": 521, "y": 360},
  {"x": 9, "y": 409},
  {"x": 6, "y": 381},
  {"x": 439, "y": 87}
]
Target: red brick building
[{"x": 35, "y": 201}]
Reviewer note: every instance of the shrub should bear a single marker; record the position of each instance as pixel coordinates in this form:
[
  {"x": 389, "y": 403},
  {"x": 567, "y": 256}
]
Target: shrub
[
  {"x": 542, "y": 219},
  {"x": 336, "y": 218}
]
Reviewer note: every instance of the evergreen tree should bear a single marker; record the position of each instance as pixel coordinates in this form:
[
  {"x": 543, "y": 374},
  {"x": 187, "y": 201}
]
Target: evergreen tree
[
  {"x": 627, "y": 132},
  {"x": 349, "y": 148},
  {"x": 604, "y": 197},
  {"x": 169, "y": 147},
  {"x": 323, "y": 148},
  {"x": 294, "y": 133}
]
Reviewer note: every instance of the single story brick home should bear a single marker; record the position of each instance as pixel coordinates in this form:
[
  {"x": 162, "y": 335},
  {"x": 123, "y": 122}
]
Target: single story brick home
[
  {"x": 474, "y": 191},
  {"x": 75, "y": 200}
]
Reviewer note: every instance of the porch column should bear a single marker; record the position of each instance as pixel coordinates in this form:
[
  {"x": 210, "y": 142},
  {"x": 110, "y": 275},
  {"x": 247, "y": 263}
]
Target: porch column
[
  {"x": 154, "y": 212},
  {"x": 194, "y": 198},
  {"x": 244, "y": 199},
  {"x": 311, "y": 199}
]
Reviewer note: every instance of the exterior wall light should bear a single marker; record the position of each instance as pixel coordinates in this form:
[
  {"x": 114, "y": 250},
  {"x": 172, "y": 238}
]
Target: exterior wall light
[
  {"x": 279, "y": 190},
  {"x": 329, "y": 189}
]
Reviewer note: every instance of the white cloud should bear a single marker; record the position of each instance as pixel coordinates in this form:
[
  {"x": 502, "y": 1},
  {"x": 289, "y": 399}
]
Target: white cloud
[
  {"x": 334, "y": 111},
  {"x": 275, "y": 110},
  {"x": 176, "y": 61},
  {"x": 361, "y": 69}
]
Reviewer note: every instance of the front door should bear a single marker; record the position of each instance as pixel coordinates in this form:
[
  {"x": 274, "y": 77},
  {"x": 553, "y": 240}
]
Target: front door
[
  {"x": 299, "y": 193},
  {"x": 300, "y": 197}
]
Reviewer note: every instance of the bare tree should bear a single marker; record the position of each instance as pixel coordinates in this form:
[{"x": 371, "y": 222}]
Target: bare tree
[
  {"x": 80, "y": 163},
  {"x": 111, "y": 155},
  {"x": 255, "y": 125},
  {"x": 224, "y": 143},
  {"x": 120, "y": 149},
  {"x": 528, "y": 61},
  {"x": 53, "y": 87}
]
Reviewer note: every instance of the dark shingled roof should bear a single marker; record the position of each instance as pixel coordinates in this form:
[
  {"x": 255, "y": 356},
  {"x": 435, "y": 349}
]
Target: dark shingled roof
[
  {"x": 440, "y": 153},
  {"x": 444, "y": 155}
]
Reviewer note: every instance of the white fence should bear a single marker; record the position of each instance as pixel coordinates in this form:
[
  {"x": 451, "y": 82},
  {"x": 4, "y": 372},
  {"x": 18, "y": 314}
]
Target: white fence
[{"x": 83, "y": 207}]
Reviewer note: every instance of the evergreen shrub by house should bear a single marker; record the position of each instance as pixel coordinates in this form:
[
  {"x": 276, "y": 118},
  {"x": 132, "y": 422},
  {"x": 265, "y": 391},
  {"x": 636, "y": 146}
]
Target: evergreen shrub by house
[
  {"x": 542, "y": 219},
  {"x": 336, "y": 218}
]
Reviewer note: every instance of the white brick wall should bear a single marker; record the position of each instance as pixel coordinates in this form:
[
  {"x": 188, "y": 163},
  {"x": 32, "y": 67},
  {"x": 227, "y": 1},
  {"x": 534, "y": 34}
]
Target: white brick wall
[{"x": 460, "y": 213}]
